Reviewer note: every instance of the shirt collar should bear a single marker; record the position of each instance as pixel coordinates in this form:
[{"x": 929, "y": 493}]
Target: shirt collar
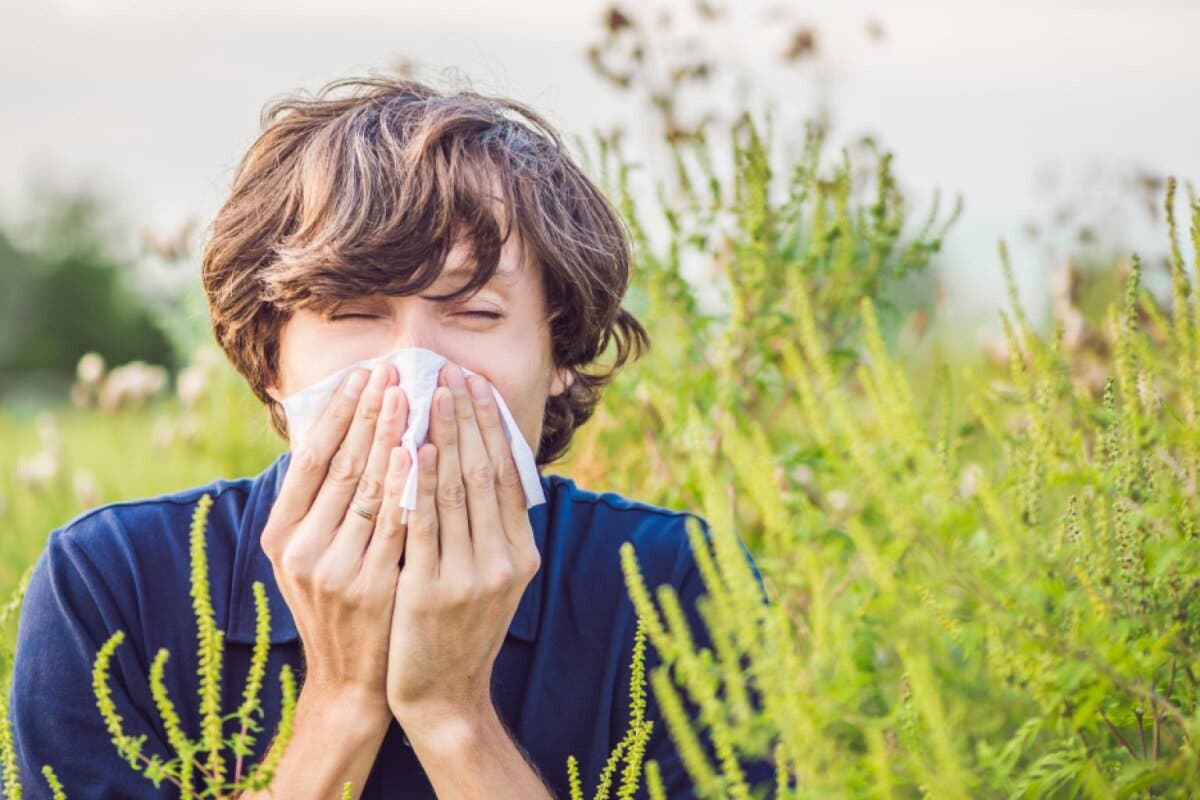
[{"x": 251, "y": 564}]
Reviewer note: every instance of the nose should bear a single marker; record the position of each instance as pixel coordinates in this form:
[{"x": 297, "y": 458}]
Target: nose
[{"x": 413, "y": 325}]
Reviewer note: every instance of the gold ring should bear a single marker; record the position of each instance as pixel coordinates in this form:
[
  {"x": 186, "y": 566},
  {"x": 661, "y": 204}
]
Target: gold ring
[{"x": 362, "y": 512}]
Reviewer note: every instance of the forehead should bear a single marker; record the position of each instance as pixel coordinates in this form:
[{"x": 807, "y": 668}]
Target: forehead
[
  {"x": 512, "y": 269},
  {"x": 418, "y": 266}
]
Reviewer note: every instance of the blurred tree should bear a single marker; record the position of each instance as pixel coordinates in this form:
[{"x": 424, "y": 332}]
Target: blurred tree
[{"x": 67, "y": 291}]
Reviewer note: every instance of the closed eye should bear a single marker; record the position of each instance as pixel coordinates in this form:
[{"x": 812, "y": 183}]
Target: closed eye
[{"x": 485, "y": 314}]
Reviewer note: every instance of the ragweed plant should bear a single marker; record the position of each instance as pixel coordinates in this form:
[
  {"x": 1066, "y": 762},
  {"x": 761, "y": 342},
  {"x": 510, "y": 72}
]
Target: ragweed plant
[
  {"x": 758, "y": 234},
  {"x": 201, "y": 758},
  {"x": 182, "y": 768},
  {"x": 632, "y": 746},
  {"x": 996, "y": 603}
]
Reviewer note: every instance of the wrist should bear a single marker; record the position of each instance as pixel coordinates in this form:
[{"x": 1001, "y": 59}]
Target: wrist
[
  {"x": 350, "y": 709},
  {"x": 444, "y": 728}
]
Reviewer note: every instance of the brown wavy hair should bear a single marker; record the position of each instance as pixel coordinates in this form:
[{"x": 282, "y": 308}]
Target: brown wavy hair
[{"x": 366, "y": 190}]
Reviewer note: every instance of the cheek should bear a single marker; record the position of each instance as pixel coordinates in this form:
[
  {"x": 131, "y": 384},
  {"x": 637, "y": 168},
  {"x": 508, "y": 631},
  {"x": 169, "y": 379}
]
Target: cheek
[
  {"x": 312, "y": 368},
  {"x": 311, "y": 353}
]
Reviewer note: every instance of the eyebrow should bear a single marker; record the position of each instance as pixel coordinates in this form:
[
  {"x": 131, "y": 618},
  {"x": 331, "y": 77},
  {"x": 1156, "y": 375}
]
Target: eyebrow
[{"x": 465, "y": 268}]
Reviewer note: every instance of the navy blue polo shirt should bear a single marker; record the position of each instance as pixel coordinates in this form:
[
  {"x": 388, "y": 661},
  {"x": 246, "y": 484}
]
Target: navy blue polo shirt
[{"x": 560, "y": 682}]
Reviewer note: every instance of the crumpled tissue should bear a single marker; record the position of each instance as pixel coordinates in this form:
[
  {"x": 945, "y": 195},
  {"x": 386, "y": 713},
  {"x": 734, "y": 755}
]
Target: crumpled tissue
[{"x": 418, "y": 368}]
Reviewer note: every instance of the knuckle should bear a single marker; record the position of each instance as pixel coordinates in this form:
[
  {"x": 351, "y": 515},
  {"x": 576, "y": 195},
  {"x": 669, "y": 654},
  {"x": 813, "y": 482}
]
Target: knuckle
[
  {"x": 452, "y": 494},
  {"x": 424, "y": 605},
  {"x": 424, "y": 526},
  {"x": 357, "y": 596},
  {"x": 394, "y": 479},
  {"x": 369, "y": 410},
  {"x": 386, "y": 532},
  {"x": 370, "y": 488},
  {"x": 530, "y": 563},
  {"x": 463, "y": 594},
  {"x": 327, "y": 583},
  {"x": 270, "y": 543},
  {"x": 481, "y": 475},
  {"x": 305, "y": 458},
  {"x": 386, "y": 435},
  {"x": 500, "y": 579},
  {"x": 296, "y": 566},
  {"x": 532, "y": 566},
  {"x": 507, "y": 475},
  {"x": 376, "y": 593},
  {"x": 343, "y": 409},
  {"x": 342, "y": 468}
]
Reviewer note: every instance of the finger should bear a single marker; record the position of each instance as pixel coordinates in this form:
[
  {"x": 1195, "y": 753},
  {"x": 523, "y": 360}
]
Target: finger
[
  {"x": 350, "y": 543},
  {"x": 310, "y": 458},
  {"x": 479, "y": 476},
  {"x": 387, "y": 541},
  {"x": 421, "y": 545},
  {"x": 510, "y": 493},
  {"x": 454, "y": 526},
  {"x": 347, "y": 465}
]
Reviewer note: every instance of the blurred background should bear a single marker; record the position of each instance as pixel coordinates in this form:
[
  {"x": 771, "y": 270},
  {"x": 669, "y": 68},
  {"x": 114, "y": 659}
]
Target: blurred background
[
  {"x": 1052, "y": 125},
  {"x": 1054, "y": 122}
]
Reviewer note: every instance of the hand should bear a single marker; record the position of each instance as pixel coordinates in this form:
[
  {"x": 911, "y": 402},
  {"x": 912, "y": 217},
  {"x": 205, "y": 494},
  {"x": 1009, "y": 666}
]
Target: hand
[
  {"x": 469, "y": 555},
  {"x": 336, "y": 569}
]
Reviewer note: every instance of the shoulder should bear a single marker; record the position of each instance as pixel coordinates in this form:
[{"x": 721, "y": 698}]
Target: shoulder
[
  {"x": 149, "y": 525},
  {"x": 589, "y": 528},
  {"x": 122, "y": 565},
  {"x": 128, "y": 563}
]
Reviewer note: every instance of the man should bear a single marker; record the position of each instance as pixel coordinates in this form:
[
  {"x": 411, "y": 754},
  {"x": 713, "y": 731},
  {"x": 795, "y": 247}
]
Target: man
[{"x": 467, "y": 649}]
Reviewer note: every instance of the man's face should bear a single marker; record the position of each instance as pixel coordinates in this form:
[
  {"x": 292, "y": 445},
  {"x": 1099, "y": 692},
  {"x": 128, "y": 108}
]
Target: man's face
[{"x": 499, "y": 332}]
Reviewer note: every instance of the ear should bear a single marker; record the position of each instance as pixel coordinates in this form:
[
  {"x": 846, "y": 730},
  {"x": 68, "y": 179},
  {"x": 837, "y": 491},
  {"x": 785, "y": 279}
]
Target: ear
[{"x": 562, "y": 380}]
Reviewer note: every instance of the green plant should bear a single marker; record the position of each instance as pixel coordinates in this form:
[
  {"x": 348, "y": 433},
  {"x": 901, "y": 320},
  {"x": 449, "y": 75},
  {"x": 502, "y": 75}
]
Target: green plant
[
  {"x": 942, "y": 628},
  {"x": 182, "y": 769},
  {"x": 821, "y": 232},
  {"x": 632, "y": 746}
]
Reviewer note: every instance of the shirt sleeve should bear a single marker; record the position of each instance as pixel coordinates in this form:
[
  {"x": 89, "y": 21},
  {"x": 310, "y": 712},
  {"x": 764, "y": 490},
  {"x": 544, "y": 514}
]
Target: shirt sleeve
[
  {"x": 69, "y": 611},
  {"x": 758, "y": 772}
]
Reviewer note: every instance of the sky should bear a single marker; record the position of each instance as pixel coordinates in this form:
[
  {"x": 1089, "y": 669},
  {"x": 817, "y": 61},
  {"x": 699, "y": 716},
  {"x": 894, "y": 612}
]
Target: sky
[{"x": 1013, "y": 106}]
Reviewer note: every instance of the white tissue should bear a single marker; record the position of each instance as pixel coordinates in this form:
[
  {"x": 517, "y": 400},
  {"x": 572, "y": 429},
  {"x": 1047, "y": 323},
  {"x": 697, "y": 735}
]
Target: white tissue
[{"x": 418, "y": 368}]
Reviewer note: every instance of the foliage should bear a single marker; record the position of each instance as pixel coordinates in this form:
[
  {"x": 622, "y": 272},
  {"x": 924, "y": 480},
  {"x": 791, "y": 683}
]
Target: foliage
[
  {"x": 1020, "y": 625},
  {"x": 982, "y": 577},
  {"x": 758, "y": 243},
  {"x": 182, "y": 770},
  {"x": 632, "y": 745}
]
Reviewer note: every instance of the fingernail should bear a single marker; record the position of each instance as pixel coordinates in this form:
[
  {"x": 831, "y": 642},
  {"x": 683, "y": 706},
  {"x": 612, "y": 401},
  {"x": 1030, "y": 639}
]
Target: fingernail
[
  {"x": 355, "y": 383},
  {"x": 379, "y": 376},
  {"x": 480, "y": 391},
  {"x": 390, "y": 400},
  {"x": 456, "y": 380},
  {"x": 446, "y": 406}
]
